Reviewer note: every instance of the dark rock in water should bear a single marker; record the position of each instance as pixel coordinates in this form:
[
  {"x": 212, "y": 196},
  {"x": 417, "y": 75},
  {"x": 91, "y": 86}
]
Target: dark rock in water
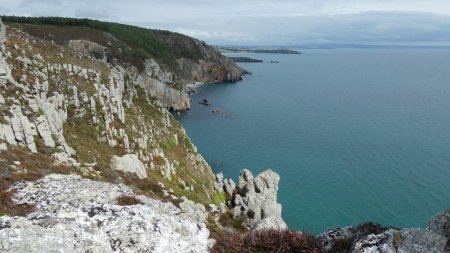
[{"x": 205, "y": 102}]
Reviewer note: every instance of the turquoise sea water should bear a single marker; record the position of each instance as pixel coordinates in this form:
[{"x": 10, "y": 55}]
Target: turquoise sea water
[{"x": 356, "y": 135}]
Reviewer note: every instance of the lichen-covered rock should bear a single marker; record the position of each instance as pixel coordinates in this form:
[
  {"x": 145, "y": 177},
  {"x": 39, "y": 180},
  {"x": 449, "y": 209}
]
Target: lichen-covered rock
[
  {"x": 80, "y": 215},
  {"x": 382, "y": 243},
  {"x": 192, "y": 210},
  {"x": 129, "y": 163},
  {"x": 257, "y": 202},
  {"x": 441, "y": 224},
  {"x": 422, "y": 241},
  {"x": 404, "y": 241},
  {"x": 335, "y": 235}
]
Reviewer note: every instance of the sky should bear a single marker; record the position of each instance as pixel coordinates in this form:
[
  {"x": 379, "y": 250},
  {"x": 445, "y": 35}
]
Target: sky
[{"x": 266, "y": 22}]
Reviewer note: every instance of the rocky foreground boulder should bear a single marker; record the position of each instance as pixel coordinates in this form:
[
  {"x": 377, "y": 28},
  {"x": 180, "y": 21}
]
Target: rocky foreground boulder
[
  {"x": 79, "y": 215},
  {"x": 374, "y": 238}
]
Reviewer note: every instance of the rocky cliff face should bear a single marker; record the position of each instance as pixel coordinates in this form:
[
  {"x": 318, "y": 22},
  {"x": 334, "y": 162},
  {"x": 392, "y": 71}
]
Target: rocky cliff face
[
  {"x": 94, "y": 116},
  {"x": 161, "y": 62}
]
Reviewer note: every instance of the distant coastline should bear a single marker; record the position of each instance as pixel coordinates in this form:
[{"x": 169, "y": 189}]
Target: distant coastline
[
  {"x": 244, "y": 59},
  {"x": 259, "y": 51}
]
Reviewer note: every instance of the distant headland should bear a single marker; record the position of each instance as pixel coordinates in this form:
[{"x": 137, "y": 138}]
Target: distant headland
[
  {"x": 260, "y": 51},
  {"x": 244, "y": 59}
]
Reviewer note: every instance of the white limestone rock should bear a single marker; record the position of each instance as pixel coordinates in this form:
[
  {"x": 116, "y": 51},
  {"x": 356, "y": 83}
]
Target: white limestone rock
[
  {"x": 4, "y": 69},
  {"x": 64, "y": 158},
  {"x": 257, "y": 202},
  {"x": 129, "y": 163},
  {"x": 80, "y": 215},
  {"x": 44, "y": 131},
  {"x": 2, "y": 32},
  {"x": 193, "y": 211},
  {"x": 23, "y": 131},
  {"x": 7, "y": 134}
]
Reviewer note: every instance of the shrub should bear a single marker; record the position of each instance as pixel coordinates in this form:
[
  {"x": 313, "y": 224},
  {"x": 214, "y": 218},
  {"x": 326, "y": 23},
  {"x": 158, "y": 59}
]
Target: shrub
[
  {"x": 270, "y": 240},
  {"x": 125, "y": 200}
]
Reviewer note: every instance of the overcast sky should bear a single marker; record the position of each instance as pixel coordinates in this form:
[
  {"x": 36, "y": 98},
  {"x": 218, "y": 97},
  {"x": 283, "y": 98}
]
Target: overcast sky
[{"x": 266, "y": 22}]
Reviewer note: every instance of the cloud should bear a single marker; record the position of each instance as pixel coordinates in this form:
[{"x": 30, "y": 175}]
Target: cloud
[
  {"x": 25, "y": 3},
  {"x": 267, "y": 21},
  {"x": 94, "y": 12}
]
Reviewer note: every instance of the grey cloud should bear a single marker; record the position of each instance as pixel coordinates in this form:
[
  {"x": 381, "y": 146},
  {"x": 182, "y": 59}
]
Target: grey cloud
[
  {"x": 25, "y": 3},
  {"x": 267, "y": 21},
  {"x": 95, "y": 12}
]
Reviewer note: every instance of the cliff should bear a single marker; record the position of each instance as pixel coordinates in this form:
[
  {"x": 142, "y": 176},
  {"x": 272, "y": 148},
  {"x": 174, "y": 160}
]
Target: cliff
[
  {"x": 92, "y": 115},
  {"x": 91, "y": 160},
  {"x": 164, "y": 63}
]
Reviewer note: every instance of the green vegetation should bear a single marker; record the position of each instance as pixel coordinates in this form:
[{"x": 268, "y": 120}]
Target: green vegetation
[
  {"x": 133, "y": 45},
  {"x": 218, "y": 198},
  {"x": 169, "y": 144}
]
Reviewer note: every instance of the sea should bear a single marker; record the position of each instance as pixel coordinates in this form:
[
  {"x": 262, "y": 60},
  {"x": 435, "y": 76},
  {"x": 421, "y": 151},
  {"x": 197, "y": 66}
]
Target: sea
[{"x": 356, "y": 135}]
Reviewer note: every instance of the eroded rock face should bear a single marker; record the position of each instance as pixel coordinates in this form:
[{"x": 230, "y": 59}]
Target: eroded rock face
[
  {"x": 257, "y": 200},
  {"x": 129, "y": 163},
  {"x": 80, "y": 215}
]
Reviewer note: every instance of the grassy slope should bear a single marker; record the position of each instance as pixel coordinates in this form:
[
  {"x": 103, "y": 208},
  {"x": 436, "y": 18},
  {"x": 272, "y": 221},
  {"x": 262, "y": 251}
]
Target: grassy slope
[{"x": 130, "y": 44}]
